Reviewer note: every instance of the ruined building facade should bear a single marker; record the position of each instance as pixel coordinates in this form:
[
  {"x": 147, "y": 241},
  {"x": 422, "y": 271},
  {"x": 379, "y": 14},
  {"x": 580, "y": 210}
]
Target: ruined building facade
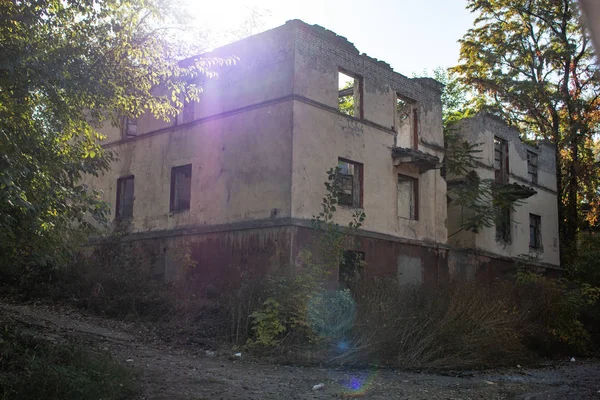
[
  {"x": 238, "y": 175},
  {"x": 530, "y": 231}
]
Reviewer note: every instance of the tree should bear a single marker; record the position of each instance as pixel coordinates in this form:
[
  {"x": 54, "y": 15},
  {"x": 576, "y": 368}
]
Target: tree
[
  {"x": 533, "y": 60},
  {"x": 482, "y": 200},
  {"x": 69, "y": 66}
]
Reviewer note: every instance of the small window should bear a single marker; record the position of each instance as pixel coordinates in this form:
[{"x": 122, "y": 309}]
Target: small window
[
  {"x": 532, "y": 167},
  {"x": 130, "y": 126},
  {"x": 501, "y": 160},
  {"x": 408, "y": 197},
  {"x": 352, "y": 183},
  {"x": 350, "y": 94},
  {"x": 181, "y": 187},
  {"x": 535, "y": 231},
  {"x": 125, "y": 198},
  {"x": 351, "y": 267},
  {"x": 406, "y": 123},
  {"x": 503, "y": 222}
]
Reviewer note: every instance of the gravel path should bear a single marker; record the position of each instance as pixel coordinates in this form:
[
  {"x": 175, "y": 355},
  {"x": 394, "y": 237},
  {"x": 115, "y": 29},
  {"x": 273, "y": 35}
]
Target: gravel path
[{"x": 177, "y": 373}]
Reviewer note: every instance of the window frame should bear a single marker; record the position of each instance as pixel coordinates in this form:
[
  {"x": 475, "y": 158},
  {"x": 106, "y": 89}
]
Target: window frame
[
  {"x": 349, "y": 269},
  {"x": 126, "y": 131},
  {"x": 174, "y": 171},
  {"x": 503, "y": 224},
  {"x": 533, "y": 176},
  {"x": 414, "y": 213},
  {"x": 358, "y": 93},
  {"x": 501, "y": 174},
  {"x": 357, "y": 192},
  {"x": 413, "y": 117},
  {"x": 120, "y": 192},
  {"x": 537, "y": 233}
]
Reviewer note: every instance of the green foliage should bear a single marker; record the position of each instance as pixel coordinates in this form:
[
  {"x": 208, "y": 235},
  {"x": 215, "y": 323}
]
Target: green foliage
[
  {"x": 555, "y": 308},
  {"x": 69, "y": 67},
  {"x": 533, "y": 61},
  {"x": 267, "y": 325},
  {"x": 346, "y": 103},
  {"x": 32, "y": 368},
  {"x": 288, "y": 306}
]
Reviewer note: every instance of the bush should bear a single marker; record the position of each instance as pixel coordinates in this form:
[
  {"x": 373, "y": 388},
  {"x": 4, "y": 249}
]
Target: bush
[
  {"x": 458, "y": 325},
  {"x": 554, "y": 310},
  {"x": 32, "y": 368},
  {"x": 115, "y": 279}
]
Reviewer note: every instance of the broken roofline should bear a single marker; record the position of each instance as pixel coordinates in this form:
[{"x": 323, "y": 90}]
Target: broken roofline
[{"x": 321, "y": 32}]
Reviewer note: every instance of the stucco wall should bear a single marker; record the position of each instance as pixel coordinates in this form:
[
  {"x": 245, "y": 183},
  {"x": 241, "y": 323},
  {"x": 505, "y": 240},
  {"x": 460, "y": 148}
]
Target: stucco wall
[
  {"x": 240, "y": 170},
  {"x": 481, "y": 130},
  {"x": 322, "y": 134}
]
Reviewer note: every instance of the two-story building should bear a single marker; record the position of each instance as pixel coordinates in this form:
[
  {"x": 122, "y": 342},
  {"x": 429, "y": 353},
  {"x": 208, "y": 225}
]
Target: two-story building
[
  {"x": 239, "y": 174},
  {"x": 529, "y": 232}
]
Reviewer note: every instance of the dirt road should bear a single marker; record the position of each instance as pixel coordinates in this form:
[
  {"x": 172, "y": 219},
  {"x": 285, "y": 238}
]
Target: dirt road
[{"x": 189, "y": 373}]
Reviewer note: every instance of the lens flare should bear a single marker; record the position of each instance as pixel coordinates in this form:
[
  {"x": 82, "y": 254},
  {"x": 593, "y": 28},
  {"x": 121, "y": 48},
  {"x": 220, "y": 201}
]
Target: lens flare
[{"x": 358, "y": 384}]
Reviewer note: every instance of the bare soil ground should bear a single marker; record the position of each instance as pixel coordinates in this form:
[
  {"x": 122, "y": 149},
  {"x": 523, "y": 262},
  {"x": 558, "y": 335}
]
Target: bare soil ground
[{"x": 178, "y": 372}]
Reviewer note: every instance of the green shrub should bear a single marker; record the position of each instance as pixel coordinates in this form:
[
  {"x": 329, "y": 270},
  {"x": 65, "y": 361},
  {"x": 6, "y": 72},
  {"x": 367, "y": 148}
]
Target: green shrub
[{"x": 554, "y": 308}]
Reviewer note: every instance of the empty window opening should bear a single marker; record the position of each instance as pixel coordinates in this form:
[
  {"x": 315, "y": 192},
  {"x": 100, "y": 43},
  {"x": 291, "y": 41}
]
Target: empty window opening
[
  {"x": 408, "y": 197},
  {"x": 532, "y": 167},
  {"x": 503, "y": 222},
  {"x": 351, "y": 267},
  {"x": 535, "y": 231},
  {"x": 406, "y": 123},
  {"x": 125, "y": 198},
  {"x": 500, "y": 160},
  {"x": 351, "y": 183},
  {"x": 130, "y": 127},
  {"x": 181, "y": 187},
  {"x": 349, "y": 94}
]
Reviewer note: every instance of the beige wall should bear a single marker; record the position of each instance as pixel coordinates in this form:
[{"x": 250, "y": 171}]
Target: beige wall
[
  {"x": 267, "y": 130},
  {"x": 481, "y": 130},
  {"x": 240, "y": 170}
]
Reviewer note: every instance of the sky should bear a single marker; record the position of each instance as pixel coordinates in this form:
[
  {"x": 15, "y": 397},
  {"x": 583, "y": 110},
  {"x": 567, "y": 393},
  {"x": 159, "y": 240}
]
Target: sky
[{"x": 411, "y": 35}]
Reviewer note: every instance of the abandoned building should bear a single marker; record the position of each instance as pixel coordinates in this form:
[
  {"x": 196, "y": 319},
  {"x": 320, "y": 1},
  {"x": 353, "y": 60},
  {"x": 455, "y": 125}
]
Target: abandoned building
[
  {"x": 529, "y": 232},
  {"x": 238, "y": 175}
]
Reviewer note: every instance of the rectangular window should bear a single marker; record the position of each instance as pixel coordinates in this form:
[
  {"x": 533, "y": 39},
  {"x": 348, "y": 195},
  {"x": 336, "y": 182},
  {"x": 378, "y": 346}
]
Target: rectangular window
[
  {"x": 535, "y": 231},
  {"x": 352, "y": 183},
  {"x": 500, "y": 160},
  {"x": 181, "y": 187},
  {"x": 351, "y": 267},
  {"x": 130, "y": 126},
  {"x": 350, "y": 94},
  {"x": 125, "y": 198},
  {"x": 408, "y": 197},
  {"x": 406, "y": 123},
  {"x": 503, "y": 221},
  {"x": 532, "y": 167}
]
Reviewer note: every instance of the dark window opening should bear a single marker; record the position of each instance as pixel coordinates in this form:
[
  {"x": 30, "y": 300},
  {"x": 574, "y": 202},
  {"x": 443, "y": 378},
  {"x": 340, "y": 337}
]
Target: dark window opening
[
  {"x": 532, "y": 167},
  {"x": 125, "y": 198},
  {"x": 535, "y": 231},
  {"x": 500, "y": 160},
  {"x": 351, "y": 183},
  {"x": 350, "y": 94},
  {"x": 408, "y": 197},
  {"x": 130, "y": 126},
  {"x": 351, "y": 267},
  {"x": 181, "y": 187},
  {"x": 406, "y": 123},
  {"x": 503, "y": 222}
]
